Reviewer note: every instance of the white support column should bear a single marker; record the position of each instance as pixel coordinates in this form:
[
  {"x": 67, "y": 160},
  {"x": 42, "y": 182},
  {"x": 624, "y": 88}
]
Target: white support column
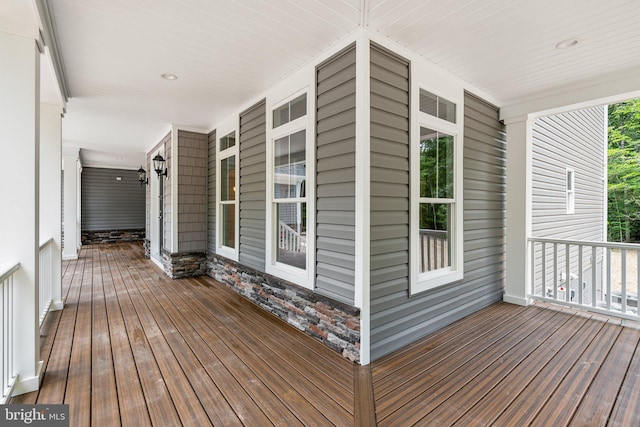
[
  {"x": 70, "y": 159},
  {"x": 362, "y": 295},
  {"x": 518, "y": 227},
  {"x": 19, "y": 192},
  {"x": 51, "y": 193}
]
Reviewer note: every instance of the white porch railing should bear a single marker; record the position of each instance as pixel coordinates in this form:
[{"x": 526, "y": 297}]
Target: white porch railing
[
  {"x": 602, "y": 277},
  {"x": 46, "y": 279},
  {"x": 8, "y": 375},
  {"x": 434, "y": 249},
  {"x": 291, "y": 240}
]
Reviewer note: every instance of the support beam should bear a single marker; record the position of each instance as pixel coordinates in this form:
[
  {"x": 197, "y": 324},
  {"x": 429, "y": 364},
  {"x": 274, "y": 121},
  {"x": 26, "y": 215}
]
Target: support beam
[
  {"x": 19, "y": 192},
  {"x": 51, "y": 193},
  {"x": 518, "y": 227}
]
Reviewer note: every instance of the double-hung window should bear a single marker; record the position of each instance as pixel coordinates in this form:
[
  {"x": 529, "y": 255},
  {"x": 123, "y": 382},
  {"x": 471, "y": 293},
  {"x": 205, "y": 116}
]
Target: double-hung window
[
  {"x": 289, "y": 215},
  {"x": 227, "y": 194},
  {"x": 571, "y": 192},
  {"x": 436, "y": 195}
]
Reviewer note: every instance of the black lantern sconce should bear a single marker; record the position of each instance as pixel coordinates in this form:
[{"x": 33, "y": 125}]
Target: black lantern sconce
[
  {"x": 142, "y": 176},
  {"x": 158, "y": 165}
]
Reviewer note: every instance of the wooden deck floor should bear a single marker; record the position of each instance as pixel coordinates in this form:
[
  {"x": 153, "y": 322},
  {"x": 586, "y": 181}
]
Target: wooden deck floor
[
  {"x": 514, "y": 366},
  {"x": 133, "y": 347}
]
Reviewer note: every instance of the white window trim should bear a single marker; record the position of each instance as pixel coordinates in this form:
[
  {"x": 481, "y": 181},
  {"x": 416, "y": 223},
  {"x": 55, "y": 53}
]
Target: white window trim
[
  {"x": 304, "y": 278},
  {"x": 570, "y": 193},
  {"x": 228, "y": 126},
  {"x": 421, "y": 282}
]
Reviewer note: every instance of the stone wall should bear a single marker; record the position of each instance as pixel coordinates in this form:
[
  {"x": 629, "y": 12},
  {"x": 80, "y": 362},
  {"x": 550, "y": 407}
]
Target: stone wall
[
  {"x": 335, "y": 324},
  {"x": 112, "y": 236},
  {"x": 184, "y": 264}
]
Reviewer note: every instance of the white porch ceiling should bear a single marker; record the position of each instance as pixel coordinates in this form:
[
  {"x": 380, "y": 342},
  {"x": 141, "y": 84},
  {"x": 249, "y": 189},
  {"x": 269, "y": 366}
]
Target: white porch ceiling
[{"x": 227, "y": 52}]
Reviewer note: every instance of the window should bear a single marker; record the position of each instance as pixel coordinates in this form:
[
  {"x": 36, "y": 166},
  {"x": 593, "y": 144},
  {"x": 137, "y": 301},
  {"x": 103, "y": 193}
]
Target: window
[
  {"x": 571, "y": 194},
  {"x": 437, "y": 107},
  {"x": 289, "y": 213},
  {"x": 436, "y": 193},
  {"x": 227, "y": 173}
]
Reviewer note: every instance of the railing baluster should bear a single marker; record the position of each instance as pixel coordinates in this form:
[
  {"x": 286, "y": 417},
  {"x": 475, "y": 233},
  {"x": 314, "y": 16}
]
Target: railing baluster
[
  {"x": 608, "y": 290},
  {"x": 555, "y": 271},
  {"x": 532, "y": 289},
  {"x": 594, "y": 284},
  {"x": 567, "y": 277},
  {"x": 580, "y": 267},
  {"x": 623, "y": 282}
]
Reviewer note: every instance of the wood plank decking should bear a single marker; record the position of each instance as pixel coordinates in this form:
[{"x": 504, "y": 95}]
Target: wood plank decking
[{"x": 133, "y": 347}]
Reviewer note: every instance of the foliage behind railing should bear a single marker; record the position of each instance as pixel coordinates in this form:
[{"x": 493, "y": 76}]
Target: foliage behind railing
[
  {"x": 8, "y": 375},
  {"x": 597, "y": 276}
]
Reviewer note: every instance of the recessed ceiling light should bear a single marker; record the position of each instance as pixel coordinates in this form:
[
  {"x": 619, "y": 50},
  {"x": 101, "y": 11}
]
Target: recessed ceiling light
[
  {"x": 565, "y": 44},
  {"x": 169, "y": 76}
]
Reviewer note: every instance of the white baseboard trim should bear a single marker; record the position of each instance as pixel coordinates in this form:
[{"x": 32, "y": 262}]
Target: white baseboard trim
[
  {"x": 515, "y": 300},
  {"x": 69, "y": 257},
  {"x": 27, "y": 385},
  {"x": 56, "y": 305}
]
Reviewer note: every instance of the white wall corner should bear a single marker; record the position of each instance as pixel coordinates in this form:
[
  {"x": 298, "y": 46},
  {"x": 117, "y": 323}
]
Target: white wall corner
[
  {"x": 173, "y": 247},
  {"x": 518, "y": 211},
  {"x": 362, "y": 215}
]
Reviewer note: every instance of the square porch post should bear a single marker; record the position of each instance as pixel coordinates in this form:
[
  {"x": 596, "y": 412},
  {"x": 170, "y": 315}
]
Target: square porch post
[
  {"x": 518, "y": 215},
  {"x": 19, "y": 192}
]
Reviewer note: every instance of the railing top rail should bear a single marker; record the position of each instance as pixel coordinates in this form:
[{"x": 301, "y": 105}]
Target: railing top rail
[
  {"x": 612, "y": 245},
  {"x": 45, "y": 244},
  {"x": 7, "y": 269}
]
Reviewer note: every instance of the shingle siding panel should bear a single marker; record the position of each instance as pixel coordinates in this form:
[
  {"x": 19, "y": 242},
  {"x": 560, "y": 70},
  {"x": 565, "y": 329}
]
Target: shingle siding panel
[{"x": 211, "y": 192}]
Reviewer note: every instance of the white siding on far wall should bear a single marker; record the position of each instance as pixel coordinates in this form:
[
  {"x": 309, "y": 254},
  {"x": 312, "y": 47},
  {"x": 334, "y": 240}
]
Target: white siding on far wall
[{"x": 571, "y": 140}]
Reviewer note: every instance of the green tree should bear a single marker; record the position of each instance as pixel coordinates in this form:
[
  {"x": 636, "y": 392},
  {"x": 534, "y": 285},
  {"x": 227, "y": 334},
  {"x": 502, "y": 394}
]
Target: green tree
[{"x": 624, "y": 171}]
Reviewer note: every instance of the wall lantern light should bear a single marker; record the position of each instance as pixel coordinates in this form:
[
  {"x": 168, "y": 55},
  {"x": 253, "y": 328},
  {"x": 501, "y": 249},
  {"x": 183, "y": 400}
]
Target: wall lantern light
[
  {"x": 158, "y": 165},
  {"x": 142, "y": 176}
]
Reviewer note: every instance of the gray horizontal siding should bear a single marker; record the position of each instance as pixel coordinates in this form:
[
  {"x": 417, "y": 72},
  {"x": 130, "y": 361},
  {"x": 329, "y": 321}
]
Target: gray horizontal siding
[
  {"x": 211, "y": 192},
  {"x": 335, "y": 176},
  {"x": 389, "y": 220},
  {"x": 109, "y": 204},
  {"x": 253, "y": 186},
  {"x": 396, "y": 318},
  {"x": 569, "y": 140}
]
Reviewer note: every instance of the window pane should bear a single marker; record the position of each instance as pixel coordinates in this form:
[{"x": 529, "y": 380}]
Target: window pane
[
  {"x": 292, "y": 234},
  {"x": 228, "y": 178},
  {"x": 428, "y": 103},
  {"x": 436, "y": 106},
  {"x": 227, "y": 141},
  {"x": 436, "y": 164},
  {"x": 290, "y": 111},
  {"x": 281, "y": 115},
  {"x": 435, "y": 236},
  {"x": 290, "y": 169},
  {"x": 229, "y": 225},
  {"x": 298, "y": 107}
]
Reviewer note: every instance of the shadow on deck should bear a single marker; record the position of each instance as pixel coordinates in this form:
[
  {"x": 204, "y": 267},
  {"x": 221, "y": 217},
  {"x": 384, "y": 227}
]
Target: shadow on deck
[{"x": 134, "y": 347}]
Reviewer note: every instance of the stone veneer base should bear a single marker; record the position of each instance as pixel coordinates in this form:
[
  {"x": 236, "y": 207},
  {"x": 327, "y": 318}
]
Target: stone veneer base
[
  {"x": 184, "y": 264},
  {"x": 335, "y": 324},
  {"x": 90, "y": 237}
]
